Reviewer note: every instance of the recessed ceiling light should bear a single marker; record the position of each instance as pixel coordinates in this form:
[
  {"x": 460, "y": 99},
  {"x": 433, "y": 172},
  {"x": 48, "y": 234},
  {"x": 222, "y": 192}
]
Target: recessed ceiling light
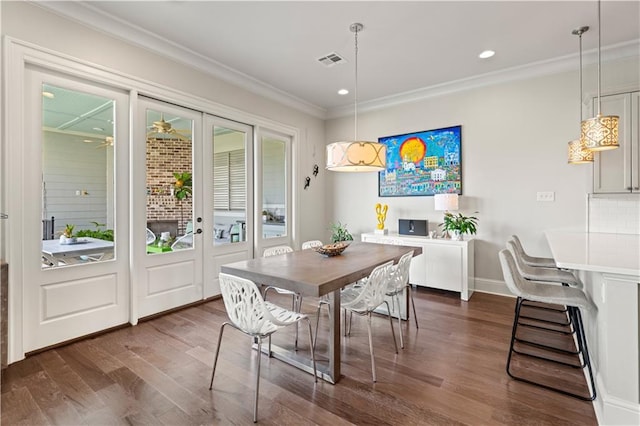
[
  {"x": 87, "y": 141},
  {"x": 98, "y": 129},
  {"x": 486, "y": 54},
  {"x": 343, "y": 92},
  {"x": 48, "y": 95}
]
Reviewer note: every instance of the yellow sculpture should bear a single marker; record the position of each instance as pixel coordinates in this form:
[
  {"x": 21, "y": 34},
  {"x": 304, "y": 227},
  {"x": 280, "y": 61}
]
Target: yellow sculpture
[{"x": 381, "y": 212}]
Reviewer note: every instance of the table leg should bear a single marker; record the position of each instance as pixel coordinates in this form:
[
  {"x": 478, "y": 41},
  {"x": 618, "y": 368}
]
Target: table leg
[{"x": 334, "y": 336}]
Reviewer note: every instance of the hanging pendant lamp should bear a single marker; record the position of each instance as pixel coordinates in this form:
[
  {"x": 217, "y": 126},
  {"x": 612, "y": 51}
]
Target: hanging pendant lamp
[
  {"x": 600, "y": 133},
  {"x": 578, "y": 152},
  {"x": 356, "y": 155}
]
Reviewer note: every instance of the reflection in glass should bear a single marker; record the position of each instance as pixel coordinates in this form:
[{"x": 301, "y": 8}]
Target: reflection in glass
[
  {"x": 77, "y": 177},
  {"x": 274, "y": 188},
  {"x": 169, "y": 166},
  {"x": 229, "y": 185}
]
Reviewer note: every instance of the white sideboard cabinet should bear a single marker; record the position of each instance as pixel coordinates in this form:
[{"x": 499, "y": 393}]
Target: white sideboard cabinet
[
  {"x": 444, "y": 264},
  {"x": 618, "y": 170}
]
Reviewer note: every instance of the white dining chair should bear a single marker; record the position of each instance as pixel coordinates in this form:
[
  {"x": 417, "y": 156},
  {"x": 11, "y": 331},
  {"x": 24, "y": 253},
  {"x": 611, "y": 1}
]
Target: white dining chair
[
  {"x": 249, "y": 313},
  {"x": 365, "y": 298},
  {"x": 296, "y": 302},
  {"x": 311, "y": 244},
  {"x": 398, "y": 282}
]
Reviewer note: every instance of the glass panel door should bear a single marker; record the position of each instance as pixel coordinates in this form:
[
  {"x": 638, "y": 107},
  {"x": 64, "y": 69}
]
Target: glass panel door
[
  {"x": 229, "y": 185},
  {"x": 275, "y": 172},
  {"x": 78, "y": 147},
  {"x": 228, "y": 200},
  {"x": 169, "y": 177}
]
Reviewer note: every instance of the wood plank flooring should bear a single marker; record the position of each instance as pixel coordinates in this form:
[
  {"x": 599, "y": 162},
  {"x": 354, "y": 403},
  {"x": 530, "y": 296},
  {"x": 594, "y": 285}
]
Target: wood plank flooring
[{"x": 451, "y": 371}]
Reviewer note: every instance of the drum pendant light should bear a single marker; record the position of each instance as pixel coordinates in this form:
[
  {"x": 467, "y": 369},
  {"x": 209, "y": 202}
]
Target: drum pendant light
[
  {"x": 356, "y": 155},
  {"x": 578, "y": 153},
  {"x": 600, "y": 133}
]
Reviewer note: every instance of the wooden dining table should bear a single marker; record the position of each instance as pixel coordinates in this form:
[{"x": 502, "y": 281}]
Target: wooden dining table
[{"x": 312, "y": 274}]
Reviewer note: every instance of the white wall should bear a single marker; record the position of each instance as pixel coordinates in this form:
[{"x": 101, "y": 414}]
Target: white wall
[
  {"x": 28, "y": 22},
  {"x": 74, "y": 182},
  {"x": 514, "y": 143}
]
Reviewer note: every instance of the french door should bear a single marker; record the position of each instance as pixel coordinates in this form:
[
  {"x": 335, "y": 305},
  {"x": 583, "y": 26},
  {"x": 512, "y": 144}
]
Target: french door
[
  {"x": 74, "y": 174},
  {"x": 228, "y": 201},
  {"x": 168, "y": 219}
]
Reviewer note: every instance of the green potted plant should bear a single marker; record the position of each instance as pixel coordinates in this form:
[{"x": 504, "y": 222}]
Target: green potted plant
[
  {"x": 67, "y": 236},
  {"x": 339, "y": 232},
  {"x": 458, "y": 224},
  {"x": 182, "y": 188}
]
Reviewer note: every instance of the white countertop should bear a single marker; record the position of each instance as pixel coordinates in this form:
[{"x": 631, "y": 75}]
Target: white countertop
[{"x": 596, "y": 252}]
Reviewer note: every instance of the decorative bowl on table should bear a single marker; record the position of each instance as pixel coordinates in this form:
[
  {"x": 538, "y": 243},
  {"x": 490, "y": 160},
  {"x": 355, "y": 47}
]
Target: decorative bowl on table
[{"x": 332, "y": 249}]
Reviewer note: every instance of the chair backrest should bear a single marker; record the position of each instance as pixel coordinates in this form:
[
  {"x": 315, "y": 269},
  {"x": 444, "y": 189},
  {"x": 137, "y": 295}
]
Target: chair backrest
[
  {"x": 151, "y": 237},
  {"x": 49, "y": 228},
  {"x": 401, "y": 270},
  {"x": 311, "y": 244},
  {"x": 274, "y": 251},
  {"x": 244, "y": 303},
  {"x": 540, "y": 291},
  {"x": 510, "y": 272},
  {"x": 183, "y": 242},
  {"x": 374, "y": 288},
  {"x": 523, "y": 268},
  {"x": 518, "y": 248}
]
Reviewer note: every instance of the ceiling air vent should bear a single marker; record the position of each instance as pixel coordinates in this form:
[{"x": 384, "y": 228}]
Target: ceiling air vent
[{"x": 331, "y": 59}]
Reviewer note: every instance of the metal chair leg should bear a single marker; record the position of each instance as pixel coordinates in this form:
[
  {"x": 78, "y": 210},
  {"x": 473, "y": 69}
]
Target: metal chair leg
[
  {"x": 397, "y": 300},
  {"x": 215, "y": 358},
  {"x": 393, "y": 333},
  {"x": 255, "y": 404},
  {"x": 373, "y": 360},
  {"x": 582, "y": 349}
]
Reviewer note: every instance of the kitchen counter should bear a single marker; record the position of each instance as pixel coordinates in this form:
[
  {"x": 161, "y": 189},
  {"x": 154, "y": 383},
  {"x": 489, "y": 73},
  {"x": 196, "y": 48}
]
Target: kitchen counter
[
  {"x": 609, "y": 267},
  {"x": 596, "y": 252}
]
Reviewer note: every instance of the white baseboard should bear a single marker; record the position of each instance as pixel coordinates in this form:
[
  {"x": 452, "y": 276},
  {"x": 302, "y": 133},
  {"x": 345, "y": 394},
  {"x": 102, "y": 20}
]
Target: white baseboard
[
  {"x": 614, "y": 411},
  {"x": 484, "y": 285}
]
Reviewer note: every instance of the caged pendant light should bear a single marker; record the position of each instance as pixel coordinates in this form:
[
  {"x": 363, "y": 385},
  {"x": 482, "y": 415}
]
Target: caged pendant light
[
  {"x": 578, "y": 152},
  {"x": 600, "y": 133},
  {"x": 356, "y": 155}
]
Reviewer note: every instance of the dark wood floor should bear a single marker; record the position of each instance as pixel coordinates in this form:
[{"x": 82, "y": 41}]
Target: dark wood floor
[{"x": 157, "y": 373}]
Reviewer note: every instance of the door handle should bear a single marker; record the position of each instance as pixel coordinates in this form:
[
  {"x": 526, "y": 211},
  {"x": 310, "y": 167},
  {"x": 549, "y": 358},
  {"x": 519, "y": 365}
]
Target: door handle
[
  {"x": 198, "y": 231},
  {"x": 199, "y": 220}
]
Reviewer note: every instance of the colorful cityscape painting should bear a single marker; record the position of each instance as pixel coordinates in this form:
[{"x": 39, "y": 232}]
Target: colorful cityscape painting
[{"x": 422, "y": 163}]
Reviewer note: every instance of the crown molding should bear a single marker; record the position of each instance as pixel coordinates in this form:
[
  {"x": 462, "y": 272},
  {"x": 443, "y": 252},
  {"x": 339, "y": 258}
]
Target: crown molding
[
  {"x": 535, "y": 69},
  {"x": 88, "y": 15}
]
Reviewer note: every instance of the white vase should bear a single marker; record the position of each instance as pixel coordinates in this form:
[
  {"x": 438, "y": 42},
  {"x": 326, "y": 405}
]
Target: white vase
[{"x": 456, "y": 236}]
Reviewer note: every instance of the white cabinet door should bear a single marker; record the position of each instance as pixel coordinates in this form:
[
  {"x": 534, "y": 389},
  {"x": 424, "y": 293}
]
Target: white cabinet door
[
  {"x": 444, "y": 266},
  {"x": 616, "y": 170}
]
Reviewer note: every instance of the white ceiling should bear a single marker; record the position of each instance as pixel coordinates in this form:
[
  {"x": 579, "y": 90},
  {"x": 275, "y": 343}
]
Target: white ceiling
[{"x": 406, "y": 47}]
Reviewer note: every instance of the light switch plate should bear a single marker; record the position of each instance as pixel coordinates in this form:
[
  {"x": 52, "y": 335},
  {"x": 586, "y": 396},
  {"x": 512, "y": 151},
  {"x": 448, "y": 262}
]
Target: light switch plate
[{"x": 546, "y": 196}]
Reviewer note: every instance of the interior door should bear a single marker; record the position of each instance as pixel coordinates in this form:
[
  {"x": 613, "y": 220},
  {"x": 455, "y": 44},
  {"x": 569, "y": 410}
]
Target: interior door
[
  {"x": 228, "y": 184},
  {"x": 168, "y": 244},
  {"x": 75, "y": 162}
]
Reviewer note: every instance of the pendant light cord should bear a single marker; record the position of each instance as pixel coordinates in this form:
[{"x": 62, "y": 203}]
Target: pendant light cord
[
  {"x": 355, "y": 113},
  {"x": 580, "y": 46},
  {"x": 599, "y": 57}
]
